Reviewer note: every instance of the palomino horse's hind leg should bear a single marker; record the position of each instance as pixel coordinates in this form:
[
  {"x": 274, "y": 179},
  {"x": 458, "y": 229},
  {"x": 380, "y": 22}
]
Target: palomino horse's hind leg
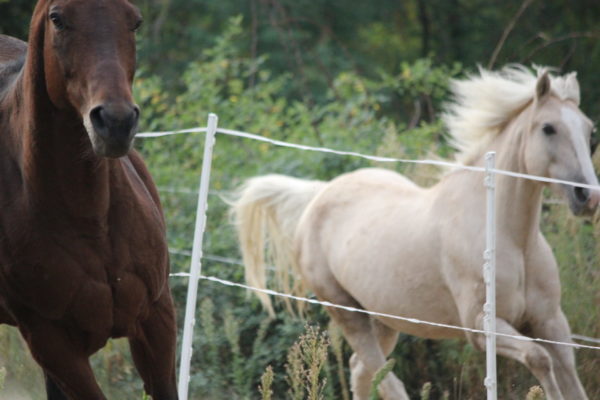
[
  {"x": 557, "y": 329},
  {"x": 361, "y": 333},
  {"x": 153, "y": 350},
  {"x": 533, "y": 355},
  {"x": 387, "y": 339},
  {"x": 362, "y": 336},
  {"x": 368, "y": 356}
]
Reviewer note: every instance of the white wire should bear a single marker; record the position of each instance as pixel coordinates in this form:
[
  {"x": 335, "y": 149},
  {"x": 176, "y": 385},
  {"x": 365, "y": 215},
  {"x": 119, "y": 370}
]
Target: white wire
[
  {"x": 169, "y": 133},
  {"x": 411, "y": 320},
  {"x": 389, "y": 159},
  {"x": 226, "y": 260},
  {"x": 238, "y": 262},
  {"x": 372, "y": 158},
  {"x": 585, "y": 338},
  {"x": 345, "y": 153},
  {"x": 184, "y": 190},
  {"x": 440, "y": 163}
]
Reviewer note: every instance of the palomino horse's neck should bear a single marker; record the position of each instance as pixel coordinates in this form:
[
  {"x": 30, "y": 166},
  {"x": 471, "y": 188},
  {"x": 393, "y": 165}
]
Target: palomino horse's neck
[{"x": 518, "y": 201}]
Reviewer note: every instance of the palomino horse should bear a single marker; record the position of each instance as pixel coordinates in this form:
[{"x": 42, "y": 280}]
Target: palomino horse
[
  {"x": 375, "y": 240},
  {"x": 83, "y": 254}
]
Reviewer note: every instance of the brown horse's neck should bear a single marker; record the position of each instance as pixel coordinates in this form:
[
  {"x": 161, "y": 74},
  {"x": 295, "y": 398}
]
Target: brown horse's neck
[{"x": 59, "y": 171}]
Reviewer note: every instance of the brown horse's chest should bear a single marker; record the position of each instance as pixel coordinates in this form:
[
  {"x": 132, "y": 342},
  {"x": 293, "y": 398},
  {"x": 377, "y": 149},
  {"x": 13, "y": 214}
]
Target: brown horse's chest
[{"x": 102, "y": 277}]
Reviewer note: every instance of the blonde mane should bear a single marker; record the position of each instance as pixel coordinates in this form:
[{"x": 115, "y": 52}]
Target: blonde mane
[{"x": 483, "y": 104}]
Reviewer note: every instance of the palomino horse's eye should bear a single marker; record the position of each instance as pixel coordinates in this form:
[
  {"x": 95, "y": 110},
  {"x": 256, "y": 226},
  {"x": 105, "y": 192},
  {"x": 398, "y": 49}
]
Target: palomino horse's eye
[
  {"x": 548, "y": 129},
  {"x": 57, "y": 20}
]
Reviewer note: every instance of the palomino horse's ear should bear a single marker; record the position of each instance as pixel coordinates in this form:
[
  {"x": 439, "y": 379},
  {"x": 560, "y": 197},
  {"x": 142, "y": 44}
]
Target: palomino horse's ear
[
  {"x": 572, "y": 87},
  {"x": 542, "y": 87}
]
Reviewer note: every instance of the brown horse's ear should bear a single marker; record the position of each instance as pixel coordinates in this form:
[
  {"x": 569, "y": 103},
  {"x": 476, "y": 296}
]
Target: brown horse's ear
[
  {"x": 35, "y": 52},
  {"x": 542, "y": 87}
]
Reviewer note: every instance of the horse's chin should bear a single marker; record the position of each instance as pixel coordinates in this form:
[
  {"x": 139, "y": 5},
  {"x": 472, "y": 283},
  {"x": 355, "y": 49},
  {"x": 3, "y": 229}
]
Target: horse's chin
[
  {"x": 577, "y": 207},
  {"x": 110, "y": 148},
  {"x": 579, "y": 211},
  {"x": 112, "y": 152},
  {"x": 107, "y": 147}
]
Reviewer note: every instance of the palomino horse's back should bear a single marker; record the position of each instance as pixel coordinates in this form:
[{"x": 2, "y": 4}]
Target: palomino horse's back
[
  {"x": 11, "y": 49},
  {"x": 12, "y": 58}
]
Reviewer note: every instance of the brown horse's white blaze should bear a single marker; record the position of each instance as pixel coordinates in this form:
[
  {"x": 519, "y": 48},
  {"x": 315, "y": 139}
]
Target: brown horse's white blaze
[
  {"x": 94, "y": 77},
  {"x": 374, "y": 239}
]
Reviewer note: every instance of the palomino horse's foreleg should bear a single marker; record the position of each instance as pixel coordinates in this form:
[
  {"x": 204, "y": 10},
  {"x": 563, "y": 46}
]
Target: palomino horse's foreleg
[
  {"x": 533, "y": 355},
  {"x": 563, "y": 357},
  {"x": 153, "y": 350},
  {"x": 61, "y": 354}
]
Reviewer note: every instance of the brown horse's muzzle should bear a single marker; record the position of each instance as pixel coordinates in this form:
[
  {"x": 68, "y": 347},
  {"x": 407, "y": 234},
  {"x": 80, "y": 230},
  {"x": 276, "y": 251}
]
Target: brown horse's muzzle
[{"x": 113, "y": 128}]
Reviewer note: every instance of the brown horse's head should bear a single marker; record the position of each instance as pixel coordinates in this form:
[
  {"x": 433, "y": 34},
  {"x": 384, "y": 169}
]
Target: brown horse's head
[{"x": 89, "y": 63}]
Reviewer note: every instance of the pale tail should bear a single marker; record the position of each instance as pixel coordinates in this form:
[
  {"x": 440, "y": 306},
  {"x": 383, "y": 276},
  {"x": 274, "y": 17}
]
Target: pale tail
[{"x": 266, "y": 214}]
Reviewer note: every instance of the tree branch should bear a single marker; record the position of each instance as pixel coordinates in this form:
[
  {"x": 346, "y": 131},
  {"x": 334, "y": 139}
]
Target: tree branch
[
  {"x": 550, "y": 42},
  {"x": 507, "y": 31}
]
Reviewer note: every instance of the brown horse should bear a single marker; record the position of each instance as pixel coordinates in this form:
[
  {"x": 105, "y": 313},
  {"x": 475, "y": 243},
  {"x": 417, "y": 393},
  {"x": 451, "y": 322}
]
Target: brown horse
[{"x": 83, "y": 254}]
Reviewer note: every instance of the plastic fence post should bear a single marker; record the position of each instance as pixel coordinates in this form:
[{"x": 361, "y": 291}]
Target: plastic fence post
[
  {"x": 195, "y": 267},
  {"x": 489, "y": 276}
]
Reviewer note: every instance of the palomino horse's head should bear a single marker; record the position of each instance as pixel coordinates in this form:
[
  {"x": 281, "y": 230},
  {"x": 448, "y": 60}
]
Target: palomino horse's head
[
  {"x": 559, "y": 144},
  {"x": 89, "y": 64}
]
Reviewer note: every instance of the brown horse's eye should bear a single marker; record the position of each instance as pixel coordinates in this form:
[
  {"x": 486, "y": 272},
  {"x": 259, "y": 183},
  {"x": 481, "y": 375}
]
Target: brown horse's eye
[
  {"x": 548, "y": 129},
  {"x": 57, "y": 20}
]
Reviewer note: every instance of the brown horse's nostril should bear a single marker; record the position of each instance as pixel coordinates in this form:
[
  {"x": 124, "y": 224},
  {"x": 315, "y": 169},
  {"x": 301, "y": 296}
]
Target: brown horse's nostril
[
  {"x": 98, "y": 120},
  {"x": 115, "y": 123},
  {"x": 114, "y": 126}
]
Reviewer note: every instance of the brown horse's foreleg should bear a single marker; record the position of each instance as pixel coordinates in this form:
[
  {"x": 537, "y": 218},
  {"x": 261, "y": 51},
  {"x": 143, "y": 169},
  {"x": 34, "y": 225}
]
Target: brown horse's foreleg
[
  {"x": 533, "y": 355},
  {"x": 153, "y": 350},
  {"x": 60, "y": 352},
  {"x": 53, "y": 391},
  {"x": 563, "y": 357}
]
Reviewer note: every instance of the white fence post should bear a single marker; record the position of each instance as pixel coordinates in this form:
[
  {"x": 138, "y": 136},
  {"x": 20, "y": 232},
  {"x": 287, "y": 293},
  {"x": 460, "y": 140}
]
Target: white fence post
[
  {"x": 195, "y": 267},
  {"x": 489, "y": 277}
]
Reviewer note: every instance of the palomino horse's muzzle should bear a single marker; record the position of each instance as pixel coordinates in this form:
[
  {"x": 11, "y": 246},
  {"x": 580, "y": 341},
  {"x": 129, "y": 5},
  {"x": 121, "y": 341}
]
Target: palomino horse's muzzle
[
  {"x": 583, "y": 201},
  {"x": 114, "y": 127}
]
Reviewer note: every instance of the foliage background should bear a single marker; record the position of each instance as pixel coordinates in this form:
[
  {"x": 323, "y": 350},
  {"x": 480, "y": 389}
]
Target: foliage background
[{"x": 363, "y": 76}]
